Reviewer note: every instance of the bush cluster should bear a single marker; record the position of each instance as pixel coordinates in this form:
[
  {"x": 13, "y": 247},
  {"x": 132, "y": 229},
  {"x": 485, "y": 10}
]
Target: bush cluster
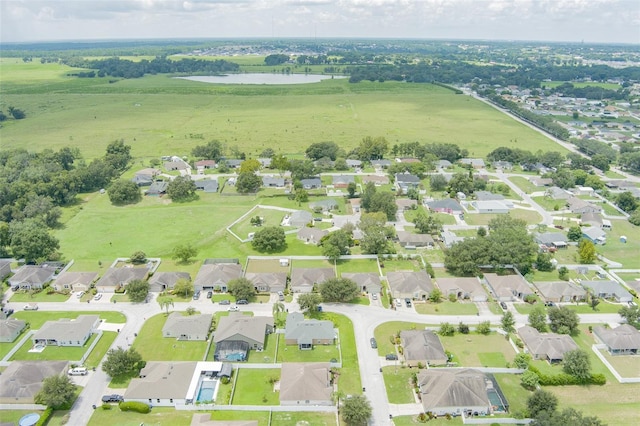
[
  {"x": 564, "y": 379},
  {"x": 138, "y": 407},
  {"x": 44, "y": 418}
]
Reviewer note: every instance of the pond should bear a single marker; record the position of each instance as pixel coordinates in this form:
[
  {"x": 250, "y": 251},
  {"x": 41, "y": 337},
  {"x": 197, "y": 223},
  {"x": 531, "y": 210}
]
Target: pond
[{"x": 261, "y": 78}]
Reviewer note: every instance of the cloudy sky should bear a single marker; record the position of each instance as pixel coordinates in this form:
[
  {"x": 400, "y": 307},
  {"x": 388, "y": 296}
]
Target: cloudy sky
[{"x": 546, "y": 20}]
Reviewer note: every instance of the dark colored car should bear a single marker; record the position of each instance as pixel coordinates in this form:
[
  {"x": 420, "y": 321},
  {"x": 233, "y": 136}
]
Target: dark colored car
[
  {"x": 7, "y": 311},
  {"x": 209, "y": 294},
  {"x": 196, "y": 295},
  {"x": 242, "y": 302},
  {"x": 112, "y": 398},
  {"x": 503, "y": 305},
  {"x": 15, "y": 287},
  {"x": 408, "y": 302},
  {"x": 374, "y": 344},
  {"x": 391, "y": 357},
  {"x": 225, "y": 302}
]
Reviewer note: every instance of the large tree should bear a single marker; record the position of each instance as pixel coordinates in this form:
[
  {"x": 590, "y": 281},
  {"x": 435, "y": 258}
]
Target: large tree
[
  {"x": 184, "y": 252},
  {"x": 211, "y": 151},
  {"x": 241, "y": 288},
  {"x": 248, "y": 182},
  {"x": 538, "y": 319},
  {"x": 384, "y": 202},
  {"x": 563, "y": 320},
  {"x": 181, "y": 189},
  {"x": 511, "y": 243},
  {"x": 627, "y": 202},
  {"x": 631, "y": 314},
  {"x": 317, "y": 150},
  {"x": 376, "y": 241},
  {"x": 464, "y": 258},
  {"x": 249, "y": 166},
  {"x": 372, "y": 148},
  {"x": 356, "y": 410},
  {"x": 426, "y": 224},
  {"x": 269, "y": 239},
  {"x": 541, "y": 400},
  {"x": 577, "y": 364},
  {"x": 566, "y": 417},
  {"x": 183, "y": 287},
  {"x": 338, "y": 290},
  {"x": 118, "y": 155},
  {"x": 165, "y": 302},
  {"x": 336, "y": 244},
  {"x": 30, "y": 240},
  {"x": 138, "y": 290},
  {"x": 122, "y": 362},
  {"x": 586, "y": 251},
  {"x": 123, "y": 192},
  {"x": 56, "y": 392},
  {"x": 508, "y": 322},
  {"x": 309, "y": 302}
]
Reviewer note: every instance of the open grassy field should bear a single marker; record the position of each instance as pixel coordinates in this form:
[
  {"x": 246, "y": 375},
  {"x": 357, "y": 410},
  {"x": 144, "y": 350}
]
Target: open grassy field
[
  {"x": 476, "y": 350},
  {"x": 625, "y": 253},
  {"x": 160, "y": 115},
  {"x": 254, "y": 387}
]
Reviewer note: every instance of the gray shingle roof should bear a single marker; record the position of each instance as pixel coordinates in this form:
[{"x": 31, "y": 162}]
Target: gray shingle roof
[
  {"x": 550, "y": 346},
  {"x": 307, "y": 330},
  {"x": 422, "y": 345},
  {"x": 305, "y": 381},
  {"x": 67, "y": 330},
  {"x": 452, "y": 388},
  {"x": 195, "y": 326},
  {"x": 254, "y": 328}
]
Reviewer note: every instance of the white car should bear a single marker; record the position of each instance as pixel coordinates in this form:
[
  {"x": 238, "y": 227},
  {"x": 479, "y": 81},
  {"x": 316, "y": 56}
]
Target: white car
[
  {"x": 98, "y": 296},
  {"x": 31, "y": 307},
  {"x": 79, "y": 295},
  {"x": 233, "y": 309}
]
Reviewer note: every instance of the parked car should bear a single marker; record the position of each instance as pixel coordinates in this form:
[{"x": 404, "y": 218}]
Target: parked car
[
  {"x": 112, "y": 398},
  {"x": 78, "y": 371},
  {"x": 7, "y": 312},
  {"x": 374, "y": 344},
  {"x": 209, "y": 294},
  {"x": 317, "y": 219},
  {"x": 280, "y": 296},
  {"x": 233, "y": 309},
  {"x": 98, "y": 296},
  {"x": 242, "y": 302},
  {"x": 225, "y": 302},
  {"x": 15, "y": 287},
  {"x": 407, "y": 301},
  {"x": 374, "y": 296},
  {"x": 31, "y": 307},
  {"x": 398, "y": 303},
  {"x": 79, "y": 295},
  {"x": 391, "y": 357},
  {"x": 503, "y": 305},
  {"x": 196, "y": 295}
]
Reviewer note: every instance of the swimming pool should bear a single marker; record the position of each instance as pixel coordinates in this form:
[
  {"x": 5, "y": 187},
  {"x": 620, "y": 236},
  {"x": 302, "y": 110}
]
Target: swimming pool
[{"x": 206, "y": 391}]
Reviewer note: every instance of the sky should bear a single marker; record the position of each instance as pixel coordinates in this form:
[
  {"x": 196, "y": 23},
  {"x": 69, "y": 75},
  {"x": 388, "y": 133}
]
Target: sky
[{"x": 591, "y": 21}]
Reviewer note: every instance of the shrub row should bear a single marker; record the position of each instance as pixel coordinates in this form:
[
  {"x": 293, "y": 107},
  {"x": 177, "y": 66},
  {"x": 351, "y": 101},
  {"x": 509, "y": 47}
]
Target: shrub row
[
  {"x": 44, "y": 418},
  {"x": 564, "y": 379},
  {"x": 138, "y": 407}
]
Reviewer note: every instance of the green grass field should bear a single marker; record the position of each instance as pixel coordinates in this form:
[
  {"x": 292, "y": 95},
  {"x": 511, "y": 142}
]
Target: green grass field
[
  {"x": 154, "y": 347},
  {"x": 162, "y": 113},
  {"x": 397, "y": 381},
  {"x": 51, "y": 353},
  {"x": 253, "y": 387},
  {"x": 446, "y": 308},
  {"x": 37, "y": 318},
  {"x": 476, "y": 350}
]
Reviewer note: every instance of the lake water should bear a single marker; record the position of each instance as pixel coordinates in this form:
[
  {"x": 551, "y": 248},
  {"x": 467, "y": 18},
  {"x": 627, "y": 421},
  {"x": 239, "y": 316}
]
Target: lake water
[{"x": 258, "y": 78}]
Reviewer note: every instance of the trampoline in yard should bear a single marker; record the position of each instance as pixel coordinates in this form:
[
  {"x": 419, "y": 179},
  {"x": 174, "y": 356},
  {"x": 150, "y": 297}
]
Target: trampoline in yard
[{"x": 233, "y": 351}]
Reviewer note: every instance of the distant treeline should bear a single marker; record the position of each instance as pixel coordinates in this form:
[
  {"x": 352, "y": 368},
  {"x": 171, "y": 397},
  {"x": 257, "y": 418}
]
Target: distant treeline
[
  {"x": 124, "y": 68},
  {"x": 590, "y": 92}
]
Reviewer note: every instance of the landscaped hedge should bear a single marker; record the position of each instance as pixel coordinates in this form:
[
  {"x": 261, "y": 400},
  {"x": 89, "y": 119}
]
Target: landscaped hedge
[
  {"x": 564, "y": 379},
  {"x": 138, "y": 407},
  {"x": 44, "y": 418}
]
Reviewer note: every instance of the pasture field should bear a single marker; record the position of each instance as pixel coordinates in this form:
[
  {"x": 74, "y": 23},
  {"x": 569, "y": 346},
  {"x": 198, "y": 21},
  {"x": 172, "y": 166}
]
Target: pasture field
[{"x": 160, "y": 115}]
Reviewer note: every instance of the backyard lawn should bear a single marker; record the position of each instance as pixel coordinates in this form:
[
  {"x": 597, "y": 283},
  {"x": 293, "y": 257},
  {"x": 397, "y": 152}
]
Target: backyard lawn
[
  {"x": 41, "y": 296},
  {"x": 51, "y": 353},
  {"x": 319, "y": 353},
  {"x": 255, "y": 387},
  {"x": 37, "y": 318},
  {"x": 412, "y": 420},
  {"x": 477, "y": 350},
  {"x": 397, "y": 381},
  {"x": 394, "y": 265},
  {"x": 358, "y": 265},
  {"x": 158, "y": 416},
  {"x": 100, "y": 349},
  {"x": 515, "y": 393},
  {"x": 268, "y": 354},
  {"x": 446, "y": 308},
  {"x": 154, "y": 347},
  {"x": 625, "y": 365}
]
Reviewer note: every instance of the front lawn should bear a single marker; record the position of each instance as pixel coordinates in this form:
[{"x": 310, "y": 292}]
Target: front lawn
[
  {"x": 101, "y": 348},
  {"x": 386, "y": 331},
  {"x": 158, "y": 416},
  {"x": 23, "y": 296},
  {"x": 255, "y": 387},
  {"x": 625, "y": 365},
  {"x": 446, "y": 308},
  {"x": 395, "y": 265},
  {"x": 397, "y": 381},
  {"x": 412, "y": 421},
  {"x": 349, "y": 381},
  {"x": 477, "y": 350},
  {"x": 37, "y": 318},
  {"x": 154, "y": 347}
]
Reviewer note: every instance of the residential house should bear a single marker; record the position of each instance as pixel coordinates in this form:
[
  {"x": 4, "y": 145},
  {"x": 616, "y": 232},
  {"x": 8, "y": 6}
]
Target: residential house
[
  {"x": 488, "y": 196},
  {"x": 355, "y": 204},
  {"x": 634, "y": 285},
  {"x": 595, "y": 235},
  {"x": 592, "y": 219},
  {"x": 550, "y": 347},
  {"x": 476, "y": 163},
  {"x": 449, "y": 238},
  {"x": 300, "y": 218},
  {"x": 404, "y": 181},
  {"x": 10, "y": 329},
  {"x": 209, "y": 186},
  {"x": 268, "y": 282},
  {"x": 204, "y": 165},
  {"x": 242, "y": 328},
  {"x": 304, "y": 279},
  {"x": 540, "y": 181},
  {"x": 367, "y": 281},
  {"x": 157, "y": 188},
  {"x": 176, "y": 164},
  {"x": 324, "y": 205},
  {"x": 442, "y": 164},
  {"x": 311, "y": 235},
  {"x": 32, "y": 277},
  {"x": 503, "y": 165},
  {"x": 407, "y": 160},
  {"x": 187, "y": 327},
  {"x": 306, "y": 383},
  {"x": 376, "y": 179},
  {"x": 622, "y": 340},
  {"x": 21, "y": 381},
  {"x": 354, "y": 164},
  {"x": 312, "y": 183},
  {"x": 265, "y": 162},
  {"x": 216, "y": 276},
  {"x": 74, "y": 281},
  {"x": 5, "y": 268},
  {"x": 580, "y": 206},
  {"x": 405, "y": 204},
  {"x": 116, "y": 278},
  {"x": 67, "y": 332},
  {"x": 410, "y": 240},
  {"x": 142, "y": 180},
  {"x": 556, "y": 193},
  {"x": 468, "y": 288},
  {"x": 546, "y": 240},
  {"x": 611, "y": 290},
  {"x": 306, "y": 333},
  {"x": 381, "y": 164},
  {"x": 273, "y": 182},
  {"x": 161, "y": 281},
  {"x": 561, "y": 291},
  {"x": 410, "y": 284},
  {"x": 489, "y": 207},
  {"x": 455, "y": 392},
  {"x": 422, "y": 347},
  {"x": 162, "y": 384},
  {"x": 507, "y": 288},
  {"x": 446, "y": 205},
  {"x": 233, "y": 163},
  {"x": 583, "y": 190},
  {"x": 343, "y": 181}
]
